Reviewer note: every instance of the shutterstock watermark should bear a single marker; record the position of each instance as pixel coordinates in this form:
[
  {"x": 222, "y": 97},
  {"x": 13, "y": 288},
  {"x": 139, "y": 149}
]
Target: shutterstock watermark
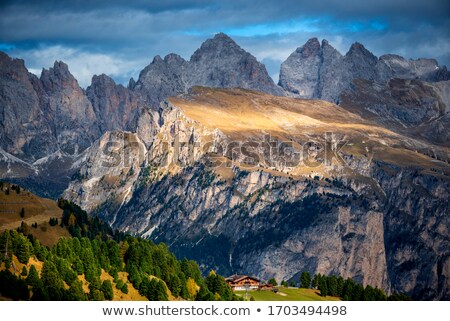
[{"x": 266, "y": 151}]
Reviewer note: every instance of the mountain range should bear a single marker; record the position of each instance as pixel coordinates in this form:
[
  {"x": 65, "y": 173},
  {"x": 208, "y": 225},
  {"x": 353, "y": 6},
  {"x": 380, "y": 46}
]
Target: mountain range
[{"x": 342, "y": 168}]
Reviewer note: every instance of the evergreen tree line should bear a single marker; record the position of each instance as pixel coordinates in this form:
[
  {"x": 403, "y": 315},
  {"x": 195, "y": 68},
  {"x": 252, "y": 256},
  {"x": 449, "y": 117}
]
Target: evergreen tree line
[
  {"x": 152, "y": 269},
  {"x": 346, "y": 289},
  {"x": 80, "y": 224}
]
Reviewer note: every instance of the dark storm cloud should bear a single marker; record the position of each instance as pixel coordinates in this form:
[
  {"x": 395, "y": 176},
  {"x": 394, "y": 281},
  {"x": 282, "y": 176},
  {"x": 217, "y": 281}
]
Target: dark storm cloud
[{"x": 120, "y": 37}]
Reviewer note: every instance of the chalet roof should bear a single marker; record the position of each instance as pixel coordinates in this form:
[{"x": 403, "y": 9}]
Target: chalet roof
[{"x": 238, "y": 277}]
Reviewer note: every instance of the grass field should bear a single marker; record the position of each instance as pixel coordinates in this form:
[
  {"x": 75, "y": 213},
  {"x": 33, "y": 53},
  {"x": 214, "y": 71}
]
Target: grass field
[
  {"x": 288, "y": 294},
  {"x": 37, "y": 210}
]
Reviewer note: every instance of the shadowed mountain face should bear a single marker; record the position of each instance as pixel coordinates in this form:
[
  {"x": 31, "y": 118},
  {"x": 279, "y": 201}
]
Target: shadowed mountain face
[
  {"x": 251, "y": 181},
  {"x": 47, "y": 123},
  {"x": 50, "y": 114}
]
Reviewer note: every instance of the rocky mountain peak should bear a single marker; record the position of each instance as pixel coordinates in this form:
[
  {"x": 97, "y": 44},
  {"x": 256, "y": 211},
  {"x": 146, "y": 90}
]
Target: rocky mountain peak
[
  {"x": 6, "y": 60},
  {"x": 173, "y": 58},
  {"x": 157, "y": 59},
  {"x": 103, "y": 80},
  {"x": 320, "y": 71},
  {"x": 131, "y": 83},
  {"x": 220, "y": 36},
  {"x": 219, "y": 46},
  {"x": 359, "y": 53},
  {"x": 221, "y": 39},
  {"x": 115, "y": 106},
  {"x": 219, "y": 62},
  {"x": 299, "y": 74},
  {"x": 14, "y": 68},
  {"x": 325, "y": 43},
  {"x": 310, "y": 48},
  {"x": 328, "y": 50},
  {"x": 58, "y": 77}
]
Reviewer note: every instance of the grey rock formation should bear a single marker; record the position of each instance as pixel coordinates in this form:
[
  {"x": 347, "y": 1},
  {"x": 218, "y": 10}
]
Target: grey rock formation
[
  {"x": 162, "y": 78},
  {"x": 314, "y": 71},
  {"x": 415, "y": 108},
  {"x": 394, "y": 66},
  {"x": 40, "y": 116},
  {"x": 300, "y": 72},
  {"x": 70, "y": 112},
  {"x": 115, "y": 106},
  {"x": 363, "y": 224},
  {"x": 47, "y": 123},
  {"x": 219, "y": 62}
]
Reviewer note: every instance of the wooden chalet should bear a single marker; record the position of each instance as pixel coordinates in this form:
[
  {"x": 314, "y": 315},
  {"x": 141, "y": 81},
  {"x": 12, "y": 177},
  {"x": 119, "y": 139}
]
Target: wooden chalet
[{"x": 243, "y": 282}]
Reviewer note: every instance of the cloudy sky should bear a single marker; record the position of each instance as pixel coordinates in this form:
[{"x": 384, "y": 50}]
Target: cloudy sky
[{"x": 120, "y": 38}]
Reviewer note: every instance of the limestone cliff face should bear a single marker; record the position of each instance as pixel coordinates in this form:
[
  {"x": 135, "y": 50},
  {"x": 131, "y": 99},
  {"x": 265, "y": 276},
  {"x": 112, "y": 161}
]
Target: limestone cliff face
[
  {"x": 378, "y": 220},
  {"x": 162, "y": 78},
  {"x": 219, "y": 62},
  {"x": 24, "y": 130},
  {"x": 299, "y": 74},
  {"x": 73, "y": 117},
  {"x": 42, "y": 116},
  {"x": 115, "y": 106}
]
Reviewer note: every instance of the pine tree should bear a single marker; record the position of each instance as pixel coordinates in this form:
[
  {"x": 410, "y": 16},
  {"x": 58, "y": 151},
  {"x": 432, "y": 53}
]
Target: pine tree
[
  {"x": 124, "y": 288},
  {"x": 23, "y": 249},
  {"x": 24, "y": 228},
  {"x": 107, "y": 290},
  {"x": 323, "y": 286},
  {"x": 22, "y": 213},
  {"x": 24, "y": 271},
  {"x": 154, "y": 290},
  {"x": 52, "y": 281},
  {"x": 273, "y": 282},
  {"x": 204, "y": 294},
  {"x": 305, "y": 280},
  {"x": 315, "y": 281},
  {"x": 174, "y": 285},
  {"x": 76, "y": 292},
  {"x": 33, "y": 276},
  {"x": 96, "y": 295},
  {"x": 332, "y": 285},
  {"x": 340, "y": 286}
]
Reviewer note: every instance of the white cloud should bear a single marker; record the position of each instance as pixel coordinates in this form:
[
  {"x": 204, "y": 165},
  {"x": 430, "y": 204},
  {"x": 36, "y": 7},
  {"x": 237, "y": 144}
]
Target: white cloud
[{"x": 82, "y": 64}]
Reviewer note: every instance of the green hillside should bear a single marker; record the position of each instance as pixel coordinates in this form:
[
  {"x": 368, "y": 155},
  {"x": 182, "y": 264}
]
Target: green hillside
[{"x": 93, "y": 262}]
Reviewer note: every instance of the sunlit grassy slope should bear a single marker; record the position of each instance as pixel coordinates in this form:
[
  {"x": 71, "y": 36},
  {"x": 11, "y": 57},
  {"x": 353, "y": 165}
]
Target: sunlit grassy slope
[
  {"x": 243, "y": 114},
  {"x": 36, "y": 210},
  {"x": 288, "y": 294}
]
